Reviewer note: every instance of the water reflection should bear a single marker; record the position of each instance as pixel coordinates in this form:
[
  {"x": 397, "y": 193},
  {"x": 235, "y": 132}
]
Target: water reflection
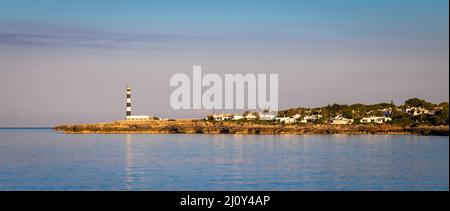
[
  {"x": 45, "y": 160},
  {"x": 224, "y": 162},
  {"x": 129, "y": 157}
]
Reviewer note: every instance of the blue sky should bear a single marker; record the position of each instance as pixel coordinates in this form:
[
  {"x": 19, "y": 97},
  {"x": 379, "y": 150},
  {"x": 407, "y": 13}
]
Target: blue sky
[
  {"x": 177, "y": 16},
  {"x": 87, "y": 51},
  {"x": 355, "y": 20}
]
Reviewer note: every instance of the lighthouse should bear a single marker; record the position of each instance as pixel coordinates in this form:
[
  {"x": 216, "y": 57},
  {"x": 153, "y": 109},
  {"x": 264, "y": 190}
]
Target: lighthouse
[
  {"x": 128, "y": 111},
  {"x": 128, "y": 114}
]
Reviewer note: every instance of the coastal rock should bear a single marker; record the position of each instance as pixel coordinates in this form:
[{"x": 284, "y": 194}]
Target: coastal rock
[{"x": 231, "y": 127}]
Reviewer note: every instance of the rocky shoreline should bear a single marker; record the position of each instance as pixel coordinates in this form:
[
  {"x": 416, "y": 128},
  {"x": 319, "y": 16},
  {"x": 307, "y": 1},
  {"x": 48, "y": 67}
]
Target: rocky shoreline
[{"x": 248, "y": 127}]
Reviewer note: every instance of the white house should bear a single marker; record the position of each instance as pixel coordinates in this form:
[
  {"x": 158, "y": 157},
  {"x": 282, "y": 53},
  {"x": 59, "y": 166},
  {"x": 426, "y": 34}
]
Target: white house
[
  {"x": 339, "y": 120},
  {"x": 251, "y": 116},
  {"x": 286, "y": 120},
  {"x": 140, "y": 118},
  {"x": 222, "y": 117},
  {"x": 297, "y": 116},
  {"x": 237, "y": 117},
  {"x": 416, "y": 111},
  {"x": 311, "y": 118},
  {"x": 267, "y": 116},
  {"x": 374, "y": 119}
]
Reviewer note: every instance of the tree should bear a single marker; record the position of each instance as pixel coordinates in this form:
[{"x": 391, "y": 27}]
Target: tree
[
  {"x": 416, "y": 102},
  {"x": 400, "y": 118},
  {"x": 348, "y": 113},
  {"x": 377, "y": 113},
  {"x": 441, "y": 117}
]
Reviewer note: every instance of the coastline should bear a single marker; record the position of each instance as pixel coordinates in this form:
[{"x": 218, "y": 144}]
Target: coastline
[{"x": 244, "y": 128}]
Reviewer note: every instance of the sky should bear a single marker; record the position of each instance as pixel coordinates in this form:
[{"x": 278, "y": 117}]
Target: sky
[{"x": 70, "y": 61}]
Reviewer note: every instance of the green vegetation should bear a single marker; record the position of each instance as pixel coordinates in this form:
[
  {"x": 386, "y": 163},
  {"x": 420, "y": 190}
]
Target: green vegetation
[
  {"x": 414, "y": 112},
  {"x": 428, "y": 113},
  {"x": 416, "y": 102}
]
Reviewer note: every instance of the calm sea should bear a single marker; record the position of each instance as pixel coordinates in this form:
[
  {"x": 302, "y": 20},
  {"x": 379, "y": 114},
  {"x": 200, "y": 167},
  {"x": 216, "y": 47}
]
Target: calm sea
[{"x": 41, "y": 159}]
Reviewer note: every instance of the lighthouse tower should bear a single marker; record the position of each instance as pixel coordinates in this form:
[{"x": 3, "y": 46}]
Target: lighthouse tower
[
  {"x": 128, "y": 114},
  {"x": 128, "y": 102}
]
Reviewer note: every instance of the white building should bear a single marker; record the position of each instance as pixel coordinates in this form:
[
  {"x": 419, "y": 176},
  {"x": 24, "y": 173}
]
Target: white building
[
  {"x": 140, "y": 118},
  {"x": 237, "y": 117},
  {"x": 267, "y": 116},
  {"x": 297, "y": 116},
  {"x": 311, "y": 118},
  {"x": 339, "y": 120},
  {"x": 222, "y": 117},
  {"x": 251, "y": 116},
  {"x": 378, "y": 120},
  {"x": 416, "y": 111},
  {"x": 386, "y": 111},
  {"x": 286, "y": 120}
]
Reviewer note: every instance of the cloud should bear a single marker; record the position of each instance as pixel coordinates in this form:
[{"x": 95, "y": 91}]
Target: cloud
[
  {"x": 86, "y": 40},
  {"x": 28, "y": 34},
  {"x": 48, "y": 35}
]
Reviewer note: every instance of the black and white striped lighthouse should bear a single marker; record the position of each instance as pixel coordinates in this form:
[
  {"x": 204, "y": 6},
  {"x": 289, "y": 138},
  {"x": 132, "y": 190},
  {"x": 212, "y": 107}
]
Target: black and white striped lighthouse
[{"x": 128, "y": 101}]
